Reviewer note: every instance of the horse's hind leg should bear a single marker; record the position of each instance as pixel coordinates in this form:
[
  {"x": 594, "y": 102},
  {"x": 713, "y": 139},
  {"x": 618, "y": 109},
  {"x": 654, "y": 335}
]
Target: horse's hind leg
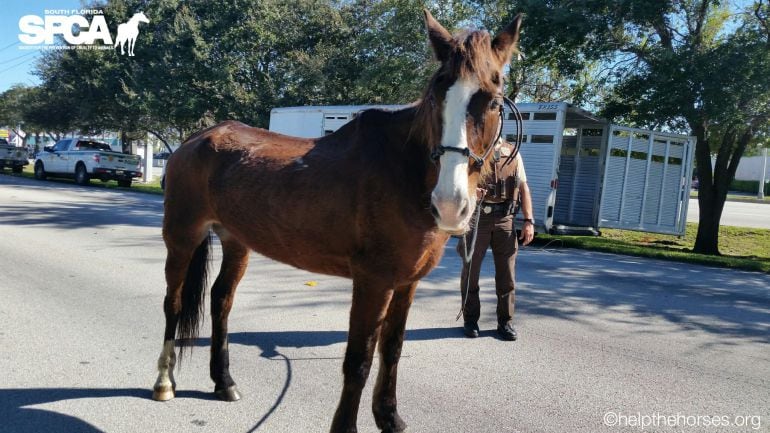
[
  {"x": 183, "y": 253},
  {"x": 390, "y": 342},
  {"x": 235, "y": 258},
  {"x": 370, "y": 302}
]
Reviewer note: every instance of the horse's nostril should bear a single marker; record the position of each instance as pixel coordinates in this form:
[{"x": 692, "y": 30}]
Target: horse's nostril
[
  {"x": 464, "y": 211},
  {"x": 434, "y": 211}
]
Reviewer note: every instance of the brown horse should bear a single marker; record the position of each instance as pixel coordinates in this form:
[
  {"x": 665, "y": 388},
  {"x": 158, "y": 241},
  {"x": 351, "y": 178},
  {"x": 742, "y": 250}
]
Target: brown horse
[{"x": 374, "y": 202}]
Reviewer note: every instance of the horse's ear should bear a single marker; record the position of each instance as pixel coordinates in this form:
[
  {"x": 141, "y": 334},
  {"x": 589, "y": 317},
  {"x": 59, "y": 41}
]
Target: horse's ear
[
  {"x": 506, "y": 43},
  {"x": 440, "y": 38}
]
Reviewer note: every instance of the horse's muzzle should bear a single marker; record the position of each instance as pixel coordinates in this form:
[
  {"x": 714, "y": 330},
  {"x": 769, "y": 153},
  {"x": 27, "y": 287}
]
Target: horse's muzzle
[{"x": 452, "y": 215}]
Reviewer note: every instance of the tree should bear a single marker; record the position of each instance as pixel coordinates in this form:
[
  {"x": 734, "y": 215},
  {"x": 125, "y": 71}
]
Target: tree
[
  {"x": 18, "y": 108},
  {"x": 686, "y": 65}
]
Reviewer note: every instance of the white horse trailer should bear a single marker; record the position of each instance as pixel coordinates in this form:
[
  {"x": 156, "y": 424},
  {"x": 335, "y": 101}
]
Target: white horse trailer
[{"x": 583, "y": 172}]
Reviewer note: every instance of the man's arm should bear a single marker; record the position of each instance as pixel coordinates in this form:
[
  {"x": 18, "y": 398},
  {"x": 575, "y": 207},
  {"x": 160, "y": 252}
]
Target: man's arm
[{"x": 528, "y": 230}]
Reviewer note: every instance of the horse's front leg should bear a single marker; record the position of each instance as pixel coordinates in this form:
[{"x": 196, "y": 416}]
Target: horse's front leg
[
  {"x": 391, "y": 339},
  {"x": 370, "y": 302}
]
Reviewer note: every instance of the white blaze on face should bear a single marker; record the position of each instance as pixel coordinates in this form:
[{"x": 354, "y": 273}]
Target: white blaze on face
[{"x": 451, "y": 199}]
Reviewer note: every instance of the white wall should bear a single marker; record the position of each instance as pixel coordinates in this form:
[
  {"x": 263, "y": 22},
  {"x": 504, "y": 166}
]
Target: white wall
[{"x": 750, "y": 168}]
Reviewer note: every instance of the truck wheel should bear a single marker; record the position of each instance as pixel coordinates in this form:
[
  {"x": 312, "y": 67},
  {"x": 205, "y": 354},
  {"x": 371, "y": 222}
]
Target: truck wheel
[
  {"x": 125, "y": 183},
  {"x": 17, "y": 168},
  {"x": 39, "y": 171},
  {"x": 81, "y": 175}
]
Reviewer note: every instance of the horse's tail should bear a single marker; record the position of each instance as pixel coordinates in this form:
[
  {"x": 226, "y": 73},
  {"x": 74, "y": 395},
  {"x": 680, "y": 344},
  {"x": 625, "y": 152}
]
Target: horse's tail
[{"x": 193, "y": 292}]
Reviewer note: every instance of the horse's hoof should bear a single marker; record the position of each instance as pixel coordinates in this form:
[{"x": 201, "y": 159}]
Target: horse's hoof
[
  {"x": 228, "y": 394},
  {"x": 163, "y": 393},
  {"x": 397, "y": 427}
]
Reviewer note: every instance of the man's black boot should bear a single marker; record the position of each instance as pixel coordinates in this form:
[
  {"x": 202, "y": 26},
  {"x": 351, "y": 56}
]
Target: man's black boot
[
  {"x": 507, "y": 332},
  {"x": 471, "y": 329}
]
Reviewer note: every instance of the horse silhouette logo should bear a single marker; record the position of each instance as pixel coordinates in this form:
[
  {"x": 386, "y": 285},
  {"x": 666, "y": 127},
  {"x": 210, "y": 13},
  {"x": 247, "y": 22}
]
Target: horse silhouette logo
[{"x": 128, "y": 32}]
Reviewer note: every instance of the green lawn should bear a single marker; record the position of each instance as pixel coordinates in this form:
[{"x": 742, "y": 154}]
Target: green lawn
[
  {"x": 741, "y": 248},
  {"x": 152, "y": 187}
]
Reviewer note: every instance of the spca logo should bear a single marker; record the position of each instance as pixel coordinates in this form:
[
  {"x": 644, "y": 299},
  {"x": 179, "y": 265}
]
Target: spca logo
[{"x": 77, "y": 31}]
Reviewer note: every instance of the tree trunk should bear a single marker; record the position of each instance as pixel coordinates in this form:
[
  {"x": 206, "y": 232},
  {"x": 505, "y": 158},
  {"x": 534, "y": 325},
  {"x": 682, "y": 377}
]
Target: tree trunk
[
  {"x": 125, "y": 143},
  {"x": 710, "y": 214},
  {"x": 714, "y": 183},
  {"x": 160, "y": 137}
]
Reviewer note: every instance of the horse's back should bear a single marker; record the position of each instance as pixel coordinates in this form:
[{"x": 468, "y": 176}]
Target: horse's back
[{"x": 265, "y": 189}]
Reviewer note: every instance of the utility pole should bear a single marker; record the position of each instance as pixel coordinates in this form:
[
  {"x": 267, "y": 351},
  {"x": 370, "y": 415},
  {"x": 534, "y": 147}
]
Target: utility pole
[{"x": 761, "y": 192}]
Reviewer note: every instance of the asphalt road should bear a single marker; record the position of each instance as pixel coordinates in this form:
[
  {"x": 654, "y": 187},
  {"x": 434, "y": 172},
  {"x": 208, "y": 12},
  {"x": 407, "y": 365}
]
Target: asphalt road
[
  {"x": 604, "y": 339},
  {"x": 737, "y": 213}
]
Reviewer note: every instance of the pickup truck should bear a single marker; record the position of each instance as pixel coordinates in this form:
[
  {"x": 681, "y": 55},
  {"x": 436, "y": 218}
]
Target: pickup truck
[
  {"x": 12, "y": 156},
  {"x": 84, "y": 159}
]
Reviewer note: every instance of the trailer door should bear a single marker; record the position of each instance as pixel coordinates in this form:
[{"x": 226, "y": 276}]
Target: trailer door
[
  {"x": 334, "y": 121},
  {"x": 646, "y": 181},
  {"x": 540, "y": 152}
]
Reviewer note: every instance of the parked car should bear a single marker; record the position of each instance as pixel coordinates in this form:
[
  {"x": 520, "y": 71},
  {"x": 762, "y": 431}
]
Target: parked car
[
  {"x": 84, "y": 159},
  {"x": 12, "y": 156}
]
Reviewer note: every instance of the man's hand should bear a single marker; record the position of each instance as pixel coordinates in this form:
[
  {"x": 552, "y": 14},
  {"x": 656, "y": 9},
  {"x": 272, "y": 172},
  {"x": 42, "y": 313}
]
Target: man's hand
[{"x": 527, "y": 233}]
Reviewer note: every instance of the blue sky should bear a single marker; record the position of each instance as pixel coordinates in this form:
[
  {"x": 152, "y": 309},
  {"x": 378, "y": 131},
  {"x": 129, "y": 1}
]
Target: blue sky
[{"x": 16, "y": 64}]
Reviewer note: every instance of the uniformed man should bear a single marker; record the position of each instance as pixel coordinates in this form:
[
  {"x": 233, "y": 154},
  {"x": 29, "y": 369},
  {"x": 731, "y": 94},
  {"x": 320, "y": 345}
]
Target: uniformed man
[{"x": 506, "y": 189}]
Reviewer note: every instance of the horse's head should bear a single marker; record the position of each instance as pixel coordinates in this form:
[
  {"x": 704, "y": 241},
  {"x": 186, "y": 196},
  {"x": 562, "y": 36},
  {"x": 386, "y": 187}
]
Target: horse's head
[
  {"x": 140, "y": 17},
  {"x": 465, "y": 97}
]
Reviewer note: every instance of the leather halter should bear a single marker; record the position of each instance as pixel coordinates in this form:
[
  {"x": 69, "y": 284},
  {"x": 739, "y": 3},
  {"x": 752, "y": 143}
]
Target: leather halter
[{"x": 479, "y": 160}]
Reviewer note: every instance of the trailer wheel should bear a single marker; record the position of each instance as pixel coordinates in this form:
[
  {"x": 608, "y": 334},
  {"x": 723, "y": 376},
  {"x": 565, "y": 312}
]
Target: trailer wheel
[
  {"x": 39, "y": 171},
  {"x": 125, "y": 183},
  {"x": 81, "y": 175},
  {"x": 17, "y": 168}
]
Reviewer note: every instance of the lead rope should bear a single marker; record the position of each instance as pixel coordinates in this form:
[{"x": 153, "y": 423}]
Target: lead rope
[{"x": 468, "y": 254}]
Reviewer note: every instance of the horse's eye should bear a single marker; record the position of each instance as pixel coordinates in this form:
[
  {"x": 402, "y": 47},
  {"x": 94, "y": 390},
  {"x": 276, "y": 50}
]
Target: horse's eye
[{"x": 494, "y": 104}]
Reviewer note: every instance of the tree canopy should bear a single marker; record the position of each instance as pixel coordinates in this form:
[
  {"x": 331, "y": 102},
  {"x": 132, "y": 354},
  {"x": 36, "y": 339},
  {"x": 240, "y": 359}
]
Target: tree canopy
[{"x": 692, "y": 66}]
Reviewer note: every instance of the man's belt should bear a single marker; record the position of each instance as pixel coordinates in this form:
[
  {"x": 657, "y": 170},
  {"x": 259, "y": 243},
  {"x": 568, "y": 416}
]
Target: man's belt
[{"x": 488, "y": 208}]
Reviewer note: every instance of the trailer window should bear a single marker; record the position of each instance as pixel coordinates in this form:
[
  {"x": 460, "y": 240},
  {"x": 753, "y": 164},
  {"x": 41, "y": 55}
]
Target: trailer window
[
  {"x": 545, "y": 116},
  {"x": 674, "y": 161},
  {"x": 620, "y": 133},
  {"x": 621, "y": 153},
  {"x": 658, "y": 158},
  {"x": 511, "y": 138},
  {"x": 524, "y": 116},
  {"x": 569, "y": 132},
  {"x": 593, "y": 132},
  {"x": 542, "y": 139},
  {"x": 638, "y": 155}
]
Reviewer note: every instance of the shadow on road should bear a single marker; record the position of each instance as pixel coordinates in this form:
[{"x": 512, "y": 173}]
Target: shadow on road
[
  {"x": 18, "y": 418},
  {"x": 102, "y": 208},
  {"x": 270, "y": 341}
]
